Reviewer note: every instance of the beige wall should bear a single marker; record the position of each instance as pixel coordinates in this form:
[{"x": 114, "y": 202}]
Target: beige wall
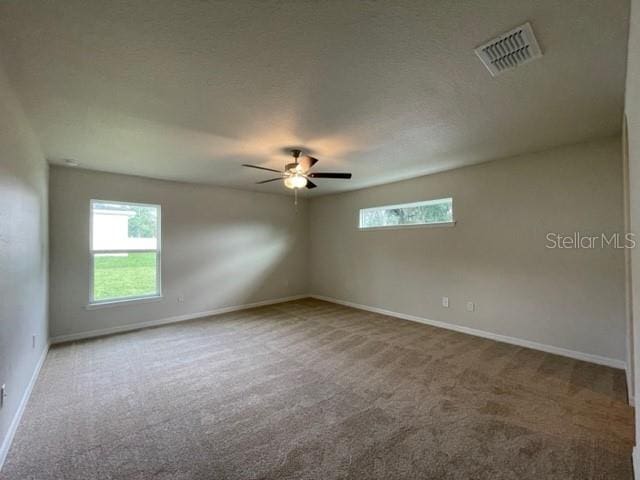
[
  {"x": 495, "y": 256},
  {"x": 23, "y": 254},
  {"x": 220, "y": 247},
  {"x": 632, "y": 110}
]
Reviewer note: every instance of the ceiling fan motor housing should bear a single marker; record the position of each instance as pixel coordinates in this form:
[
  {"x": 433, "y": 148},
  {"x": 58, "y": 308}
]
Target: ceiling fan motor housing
[{"x": 291, "y": 167}]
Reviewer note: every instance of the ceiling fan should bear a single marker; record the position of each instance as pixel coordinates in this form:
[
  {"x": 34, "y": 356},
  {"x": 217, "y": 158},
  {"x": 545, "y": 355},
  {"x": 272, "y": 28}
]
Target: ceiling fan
[{"x": 296, "y": 174}]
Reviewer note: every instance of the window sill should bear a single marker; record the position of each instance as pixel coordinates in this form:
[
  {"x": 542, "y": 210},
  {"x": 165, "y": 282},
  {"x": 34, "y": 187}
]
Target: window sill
[
  {"x": 402, "y": 227},
  {"x": 123, "y": 302}
]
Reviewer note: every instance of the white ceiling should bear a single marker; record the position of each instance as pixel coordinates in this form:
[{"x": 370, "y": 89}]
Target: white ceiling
[{"x": 189, "y": 90}]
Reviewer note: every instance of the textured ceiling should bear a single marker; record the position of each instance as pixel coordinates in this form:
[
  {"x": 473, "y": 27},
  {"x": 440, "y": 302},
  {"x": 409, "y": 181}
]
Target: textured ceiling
[{"x": 189, "y": 90}]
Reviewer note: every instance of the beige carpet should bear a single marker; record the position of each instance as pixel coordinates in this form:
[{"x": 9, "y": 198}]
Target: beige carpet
[{"x": 312, "y": 390}]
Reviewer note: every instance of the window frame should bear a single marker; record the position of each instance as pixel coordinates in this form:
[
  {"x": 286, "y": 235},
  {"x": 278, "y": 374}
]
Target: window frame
[
  {"x": 93, "y": 303},
  {"x": 450, "y": 223}
]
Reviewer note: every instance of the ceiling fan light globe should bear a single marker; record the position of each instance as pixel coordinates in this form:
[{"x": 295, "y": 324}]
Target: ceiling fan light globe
[{"x": 295, "y": 181}]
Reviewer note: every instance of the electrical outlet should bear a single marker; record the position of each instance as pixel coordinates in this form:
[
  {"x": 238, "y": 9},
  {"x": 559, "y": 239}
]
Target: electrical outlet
[
  {"x": 471, "y": 306},
  {"x": 180, "y": 298},
  {"x": 3, "y": 393},
  {"x": 445, "y": 302}
]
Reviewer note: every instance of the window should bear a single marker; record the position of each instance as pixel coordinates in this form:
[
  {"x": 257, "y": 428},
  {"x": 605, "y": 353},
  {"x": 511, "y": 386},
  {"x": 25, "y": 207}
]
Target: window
[
  {"x": 125, "y": 251},
  {"x": 431, "y": 212}
]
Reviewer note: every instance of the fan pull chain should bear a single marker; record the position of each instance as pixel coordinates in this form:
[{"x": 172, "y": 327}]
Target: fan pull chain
[{"x": 295, "y": 196}]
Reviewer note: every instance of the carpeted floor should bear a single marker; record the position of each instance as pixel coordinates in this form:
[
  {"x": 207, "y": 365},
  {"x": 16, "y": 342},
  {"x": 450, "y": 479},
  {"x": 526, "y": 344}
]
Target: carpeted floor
[{"x": 312, "y": 390}]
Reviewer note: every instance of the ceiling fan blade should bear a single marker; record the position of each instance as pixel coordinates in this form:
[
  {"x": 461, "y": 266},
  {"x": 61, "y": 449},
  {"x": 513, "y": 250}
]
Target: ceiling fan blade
[
  {"x": 307, "y": 162},
  {"x": 311, "y": 184},
  {"x": 267, "y": 181},
  {"x": 261, "y": 168},
  {"x": 330, "y": 175}
]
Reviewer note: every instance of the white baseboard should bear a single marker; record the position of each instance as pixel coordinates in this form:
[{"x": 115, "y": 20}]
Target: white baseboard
[
  {"x": 8, "y": 439},
  {"x": 164, "y": 321},
  {"x": 587, "y": 357}
]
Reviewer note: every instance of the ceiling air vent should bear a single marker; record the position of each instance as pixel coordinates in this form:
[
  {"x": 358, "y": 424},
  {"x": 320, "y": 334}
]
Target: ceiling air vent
[{"x": 509, "y": 50}]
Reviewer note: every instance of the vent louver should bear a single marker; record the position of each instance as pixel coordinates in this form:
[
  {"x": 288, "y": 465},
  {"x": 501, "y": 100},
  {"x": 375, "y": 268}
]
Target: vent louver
[{"x": 509, "y": 50}]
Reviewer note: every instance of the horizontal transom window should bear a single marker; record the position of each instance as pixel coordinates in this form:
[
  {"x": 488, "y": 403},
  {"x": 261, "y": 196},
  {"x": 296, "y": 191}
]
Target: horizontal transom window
[{"x": 429, "y": 212}]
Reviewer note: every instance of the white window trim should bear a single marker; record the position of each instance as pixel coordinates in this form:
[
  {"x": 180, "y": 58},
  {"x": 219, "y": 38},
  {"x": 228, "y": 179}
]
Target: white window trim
[
  {"x": 110, "y": 302},
  {"x": 409, "y": 226},
  {"x": 451, "y": 223},
  {"x": 123, "y": 302}
]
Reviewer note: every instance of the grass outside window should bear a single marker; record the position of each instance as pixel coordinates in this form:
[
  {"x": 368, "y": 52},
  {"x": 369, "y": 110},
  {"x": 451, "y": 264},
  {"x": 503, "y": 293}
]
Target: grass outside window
[{"x": 124, "y": 275}]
